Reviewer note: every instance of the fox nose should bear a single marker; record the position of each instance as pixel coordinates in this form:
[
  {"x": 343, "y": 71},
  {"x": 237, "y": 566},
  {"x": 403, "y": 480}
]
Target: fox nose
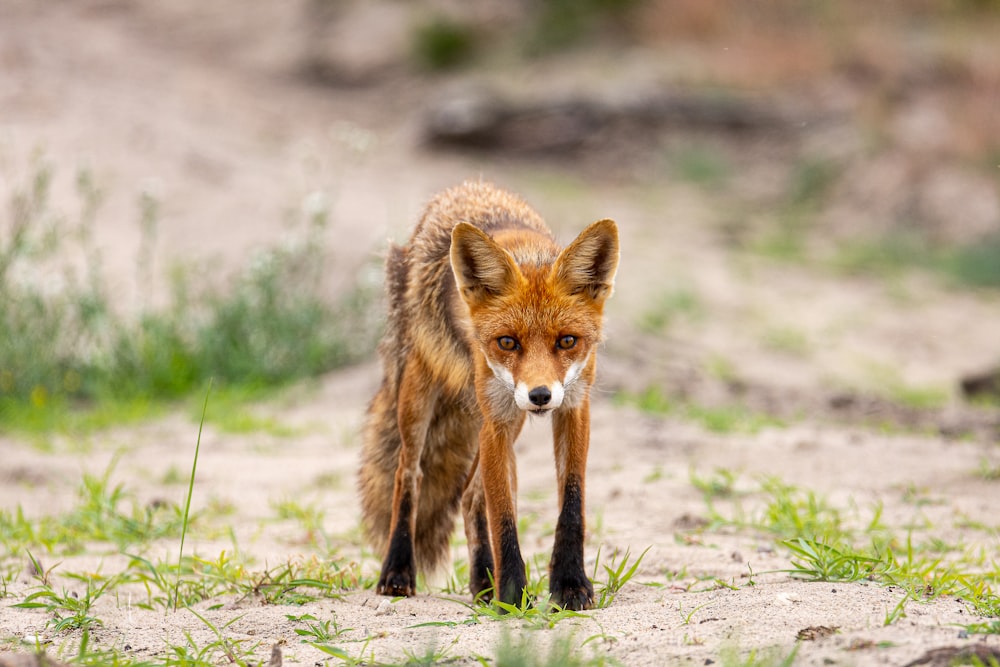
[{"x": 540, "y": 396}]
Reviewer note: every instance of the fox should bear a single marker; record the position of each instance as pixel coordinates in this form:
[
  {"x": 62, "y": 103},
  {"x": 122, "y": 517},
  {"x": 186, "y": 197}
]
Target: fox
[{"x": 489, "y": 321}]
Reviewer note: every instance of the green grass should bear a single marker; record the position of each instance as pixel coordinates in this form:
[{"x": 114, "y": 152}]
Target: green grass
[
  {"x": 669, "y": 307},
  {"x": 528, "y": 650},
  {"x": 975, "y": 265},
  {"x": 886, "y": 256},
  {"x": 715, "y": 419},
  {"x": 904, "y": 249},
  {"x": 187, "y": 502},
  {"x": 808, "y": 188},
  {"x": 535, "y": 609},
  {"x": 237, "y": 410},
  {"x": 730, "y": 656},
  {"x": 827, "y": 543},
  {"x": 105, "y": 514},
  {"x": 69, "y": 610},
  {"x": 787, "y": 340},
  {"x": 702, "y": 165},
  {"x": 889, "y": 383},
  {"x": 73, "y": 359},
  {"x": 563, "y": 24},
  {"x": 814, "y": 560},
  {"x": 309, "y": 518},
  {"x": 824, "y": 543},
  {"x": 786, "y": 512},
  {"x": 617, "y": 574},
  {"x": 720, "y": 484},
  {"x": 442, "y": 43}
]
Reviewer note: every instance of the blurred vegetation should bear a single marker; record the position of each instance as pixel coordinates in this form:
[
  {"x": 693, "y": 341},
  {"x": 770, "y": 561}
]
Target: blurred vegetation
[
  {"x": 443, "y": 43},
  {"x": 884, "y": 69},
  {"x": 66, "y": 345},
  {"x": 715, "y": 419},
  {"x": 559, "y": 24},
  {"x": 670, "y": 306},
  {"x": 975, "y": 265}
]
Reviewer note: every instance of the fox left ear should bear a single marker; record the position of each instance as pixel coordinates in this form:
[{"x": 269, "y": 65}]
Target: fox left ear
[{"x": 588, "y": 265}]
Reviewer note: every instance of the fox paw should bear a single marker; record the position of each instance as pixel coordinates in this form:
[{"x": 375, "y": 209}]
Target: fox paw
[
  {"x": 482, "y": 589},
  {"x": 512, "y": 588},
  {"x": 575, "y": 593},
  {"x": 396, "y": 584}
]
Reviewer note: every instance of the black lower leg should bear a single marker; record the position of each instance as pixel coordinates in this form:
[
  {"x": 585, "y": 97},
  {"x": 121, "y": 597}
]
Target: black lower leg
[
  {"x": 399, "y": 575},
  {"x": 481, "y": 561},
  {"x": 511, "y": 579},
  {"x": 568, "y": 582}
]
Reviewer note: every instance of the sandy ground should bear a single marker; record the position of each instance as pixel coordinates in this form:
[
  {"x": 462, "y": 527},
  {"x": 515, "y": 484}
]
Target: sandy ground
[
  {"x": 639, "y": 496},
  {"x": 231, "y": 147}
]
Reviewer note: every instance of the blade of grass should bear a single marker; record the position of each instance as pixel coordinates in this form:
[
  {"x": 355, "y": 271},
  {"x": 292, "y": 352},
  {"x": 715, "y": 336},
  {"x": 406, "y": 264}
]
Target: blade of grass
[{"x": 187, "y": 503}]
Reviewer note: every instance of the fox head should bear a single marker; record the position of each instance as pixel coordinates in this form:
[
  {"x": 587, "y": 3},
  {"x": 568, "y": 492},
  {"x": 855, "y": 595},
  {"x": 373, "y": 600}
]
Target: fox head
[{"x": 536, "y": 312}]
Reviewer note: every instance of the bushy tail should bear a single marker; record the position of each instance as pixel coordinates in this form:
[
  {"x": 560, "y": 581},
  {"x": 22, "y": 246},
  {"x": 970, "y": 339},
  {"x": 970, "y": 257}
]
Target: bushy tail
[
  {"x": 380, "y": 436},
  {"x": 381, "y": 443}
]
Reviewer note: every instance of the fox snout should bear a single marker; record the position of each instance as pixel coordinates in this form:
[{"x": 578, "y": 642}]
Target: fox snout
[{"x": 539, "y": 398}]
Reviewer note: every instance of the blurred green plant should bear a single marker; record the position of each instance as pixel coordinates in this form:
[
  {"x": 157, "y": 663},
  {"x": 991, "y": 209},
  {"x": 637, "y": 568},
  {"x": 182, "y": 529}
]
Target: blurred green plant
[
  {"x": 974, "y": 264},
  {"x": 529, "y": 650},
  {"x": 786, "y": 340},
  {"x": 561, "y": 24},
  {"x": 889, "y": 382},
  {"x": 703, "y": 165},
  {"x": 66, "y": 344},
  {"x": 731, "y": 656},
  {"x": 669, "y": 306},
  {"x": 101, "y": 515},
  {"x": 716, "y": 419},
  {"x": 809, "y": 186},
  {"x": 442, "y": 43}
]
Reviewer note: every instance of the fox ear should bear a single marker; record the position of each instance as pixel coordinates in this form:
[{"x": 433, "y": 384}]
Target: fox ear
[
  {"x": 481, "y": 267},
  {"x": 588, "y": 265}
]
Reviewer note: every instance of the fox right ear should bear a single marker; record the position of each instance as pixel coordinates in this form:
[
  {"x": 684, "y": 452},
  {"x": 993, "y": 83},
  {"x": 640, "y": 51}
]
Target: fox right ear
[{"x": 481, "y": 267}]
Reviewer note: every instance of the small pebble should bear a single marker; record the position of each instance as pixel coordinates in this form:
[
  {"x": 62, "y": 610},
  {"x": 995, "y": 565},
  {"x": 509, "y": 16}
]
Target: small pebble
[{"x": 384, "y": 608}]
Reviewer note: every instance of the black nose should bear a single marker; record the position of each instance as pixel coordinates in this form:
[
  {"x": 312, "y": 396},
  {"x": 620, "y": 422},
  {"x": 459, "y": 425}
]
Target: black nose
[{"x": 540, "y": 396}]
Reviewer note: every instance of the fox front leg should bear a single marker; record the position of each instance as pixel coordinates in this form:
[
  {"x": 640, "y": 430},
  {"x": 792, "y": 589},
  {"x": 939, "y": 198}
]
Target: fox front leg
[
  {"x": 497, "y": 468},
  {"x": 568, "y": 582}
]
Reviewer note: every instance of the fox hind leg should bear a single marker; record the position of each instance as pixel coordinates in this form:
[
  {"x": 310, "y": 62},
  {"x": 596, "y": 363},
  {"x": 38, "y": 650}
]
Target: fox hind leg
[
  {"x": 477, "y": 534},
  {"x": 415, "y": 411}
]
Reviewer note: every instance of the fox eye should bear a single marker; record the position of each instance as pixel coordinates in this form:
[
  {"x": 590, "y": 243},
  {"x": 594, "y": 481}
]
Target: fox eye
[
  {"x": 566, "y": 342},
  {"x": 507, "y": 343}
]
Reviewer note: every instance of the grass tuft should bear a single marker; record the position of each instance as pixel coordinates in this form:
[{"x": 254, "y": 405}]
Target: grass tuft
[
  {"x": 617, "y": 575},
  {"x": 69, "y": 345}
]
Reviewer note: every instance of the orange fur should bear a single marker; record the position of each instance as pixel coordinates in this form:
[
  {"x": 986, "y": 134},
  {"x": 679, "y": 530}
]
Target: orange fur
[{"x": 489, "y": 319}]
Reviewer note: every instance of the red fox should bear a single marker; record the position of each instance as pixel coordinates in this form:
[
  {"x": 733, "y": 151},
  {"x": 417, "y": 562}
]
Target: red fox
[{"x": 489, "y": 320}]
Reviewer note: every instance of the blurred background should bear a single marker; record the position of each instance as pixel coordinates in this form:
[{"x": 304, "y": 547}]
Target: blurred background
[{"x": 808, "y": 190}]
